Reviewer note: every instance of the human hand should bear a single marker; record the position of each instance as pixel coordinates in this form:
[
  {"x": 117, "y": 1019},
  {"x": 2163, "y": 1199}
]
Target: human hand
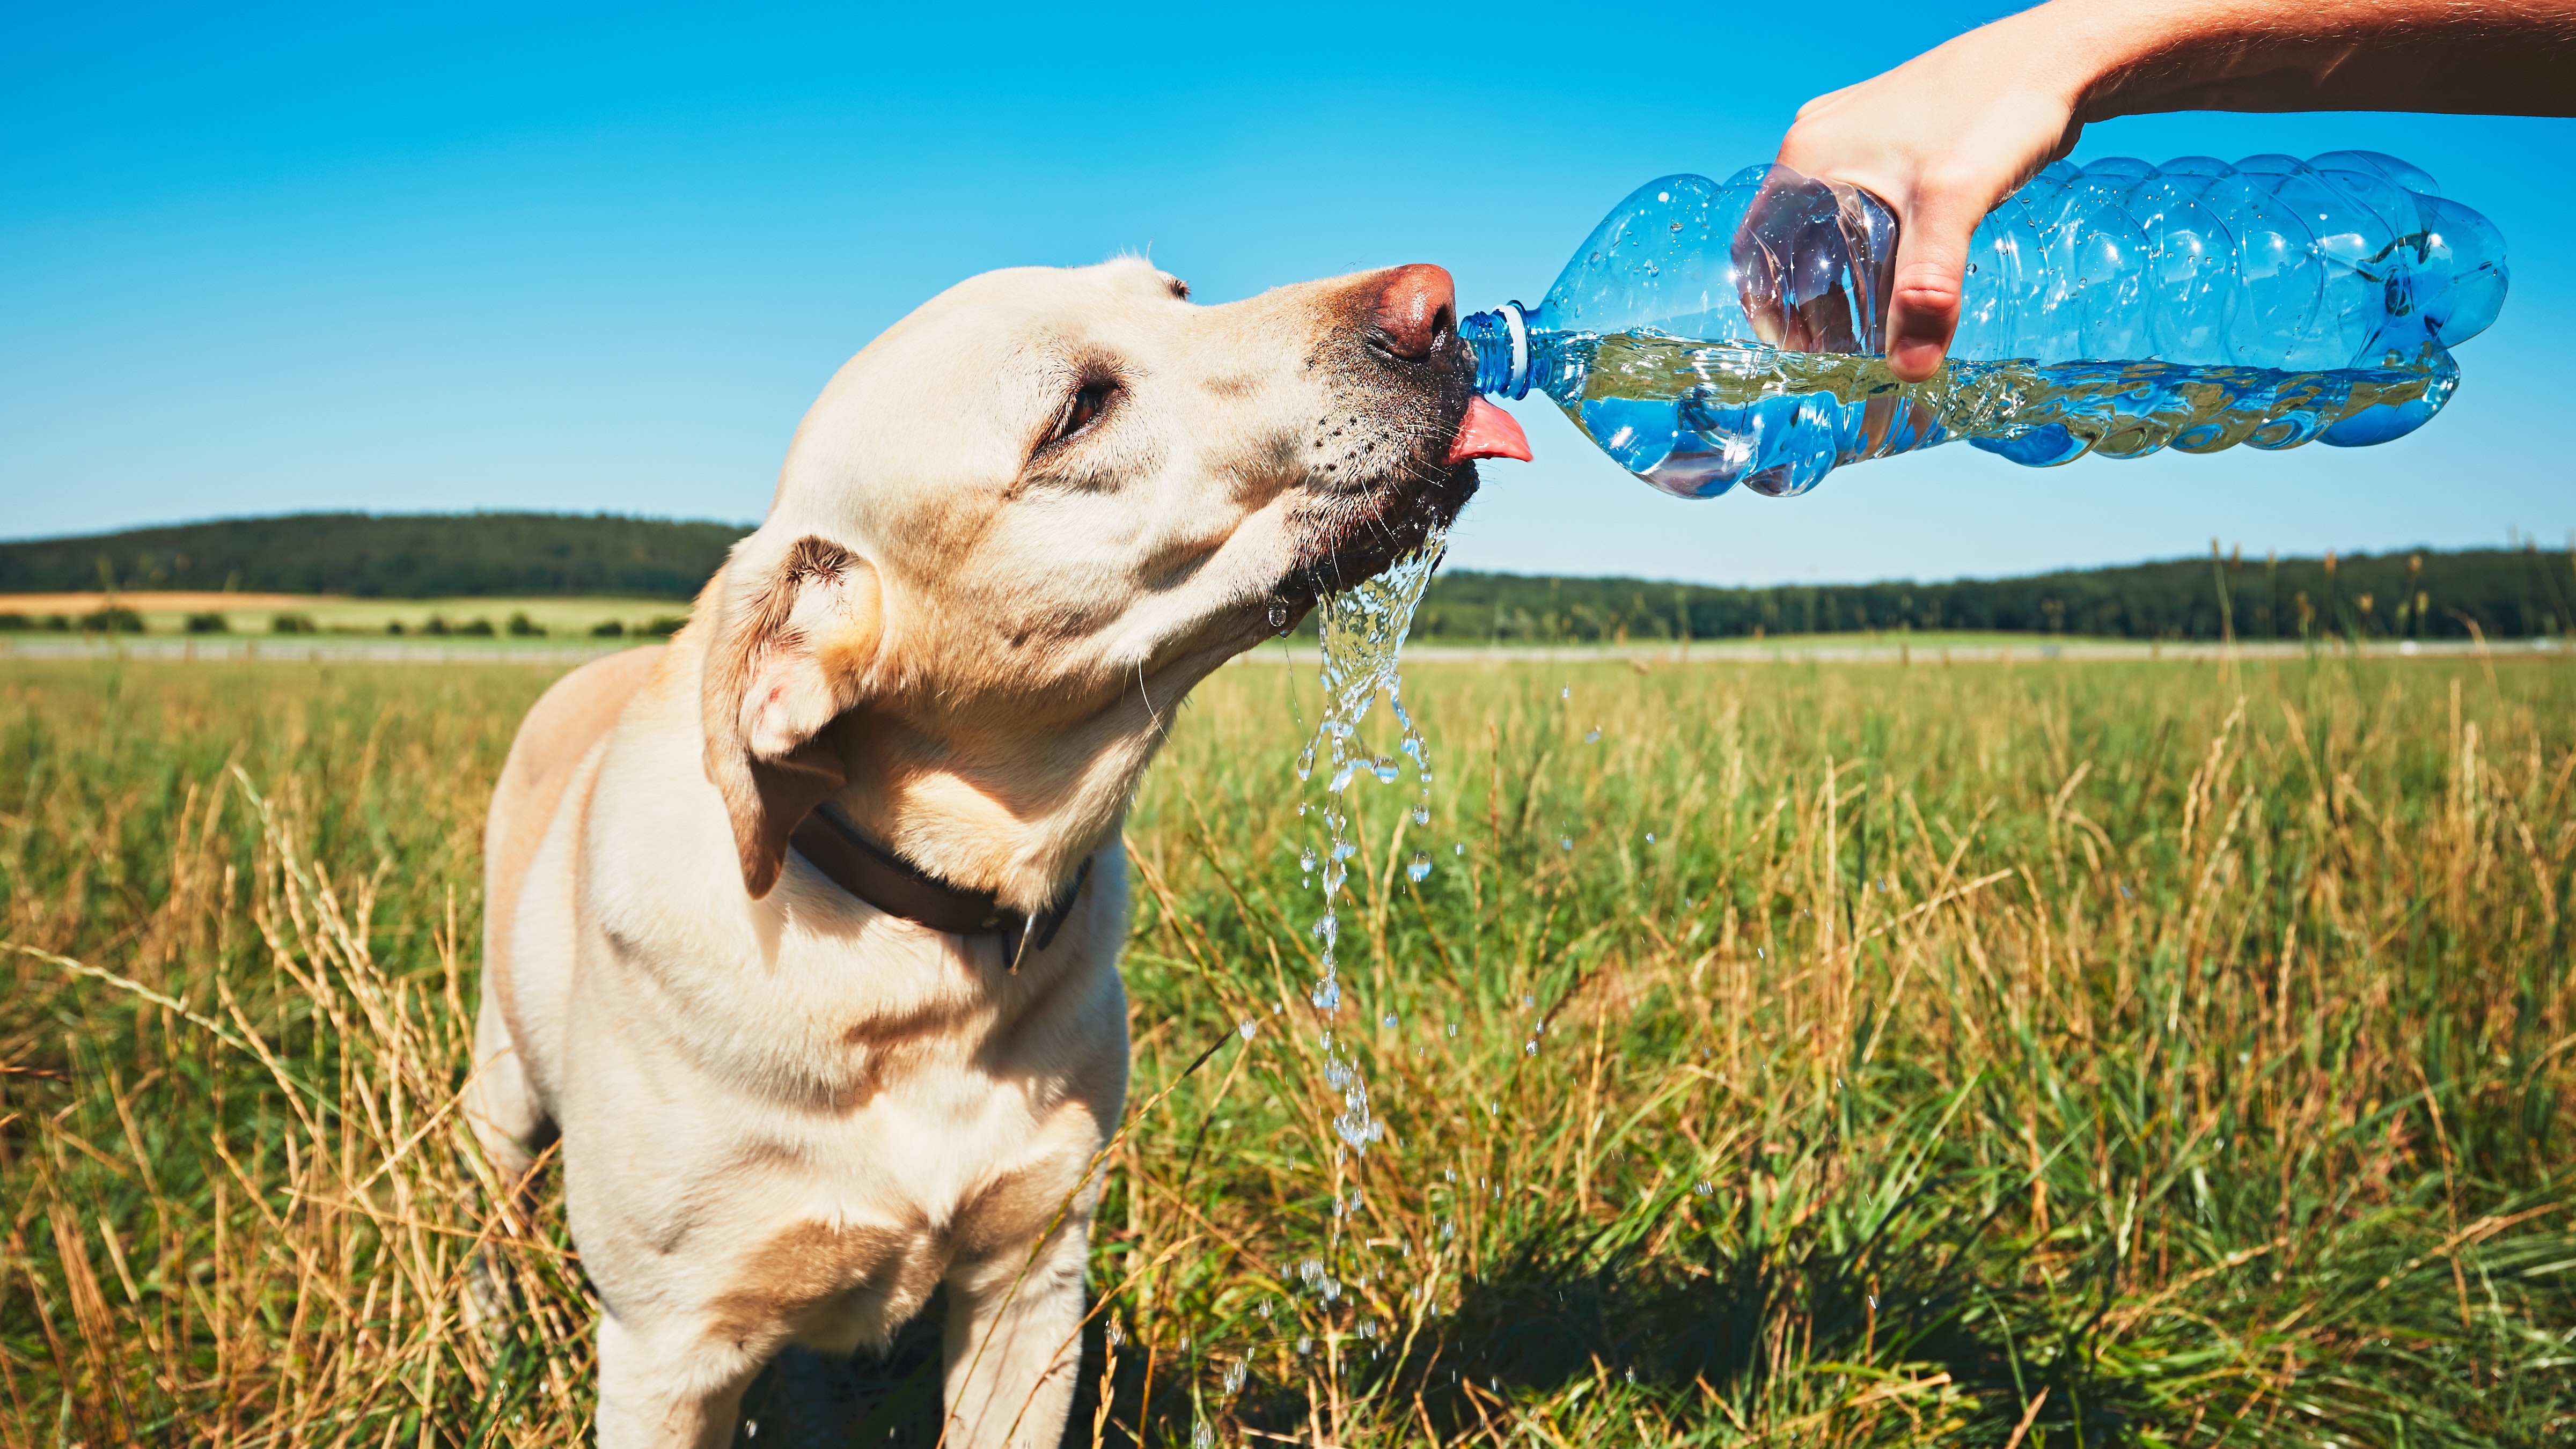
[{"x": 1941, "y": 139}]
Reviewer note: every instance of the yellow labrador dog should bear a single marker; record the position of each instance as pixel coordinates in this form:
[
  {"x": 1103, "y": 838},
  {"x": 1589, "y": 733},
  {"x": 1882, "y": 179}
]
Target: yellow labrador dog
[{"x": 802, "y": 931}]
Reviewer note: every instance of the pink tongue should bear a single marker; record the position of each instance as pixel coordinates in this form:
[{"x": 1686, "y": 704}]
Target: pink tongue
[{"x": 1488, "y": 432}]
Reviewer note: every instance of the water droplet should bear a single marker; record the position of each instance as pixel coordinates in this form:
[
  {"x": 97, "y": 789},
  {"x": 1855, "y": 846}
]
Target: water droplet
[
  {"x": 1328, "y": 995},
  {"x": 1529, "y": 1048},
  {"x": 1387, "y": 1021},
  {"x": 1566, "y": 693},
  {"x": 1593, "y": 738},
  {"x": 1306, "y": 859},
  {"x": 1279, "y": 617},
  {"x": 1246, "y": 1028},
  {"x": 1528, "y": 1001},
  {"x": 1567, "y": 842},
  {"x": 1421, "y": 866},
  {"x": 1453, "y": 1028},
  {"x": 1704, "y": 1189},
  {"x": 1421, "y": 814},
  {"x": 1459, "y": 849}
]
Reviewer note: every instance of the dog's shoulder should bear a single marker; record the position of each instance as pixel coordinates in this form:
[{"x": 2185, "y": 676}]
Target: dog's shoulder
[{"x": 573, "y": 715}]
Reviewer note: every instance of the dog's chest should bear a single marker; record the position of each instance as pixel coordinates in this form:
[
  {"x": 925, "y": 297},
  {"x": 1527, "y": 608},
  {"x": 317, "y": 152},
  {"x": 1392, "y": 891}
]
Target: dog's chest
[
  {"x": 828, "y": 1121},
  {"x": 854, "y": 1221}
]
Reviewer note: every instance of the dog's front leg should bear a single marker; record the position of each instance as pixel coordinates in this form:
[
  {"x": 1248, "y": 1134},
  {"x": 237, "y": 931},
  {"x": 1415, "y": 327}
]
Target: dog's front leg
[
  {"x": 666, "y": 1390},
  {"x": 1014, "y": 1343}
]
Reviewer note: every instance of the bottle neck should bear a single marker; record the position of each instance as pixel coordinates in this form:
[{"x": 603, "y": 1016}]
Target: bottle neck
[{"x": 1502, "y": 342}]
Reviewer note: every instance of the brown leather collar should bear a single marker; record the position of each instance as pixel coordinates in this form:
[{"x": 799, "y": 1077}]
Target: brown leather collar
[{"x": 894, "y": 885}]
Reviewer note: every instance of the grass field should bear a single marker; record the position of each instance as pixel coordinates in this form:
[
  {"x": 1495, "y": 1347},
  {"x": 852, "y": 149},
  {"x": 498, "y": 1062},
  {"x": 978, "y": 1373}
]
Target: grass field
[{"x": 2113, "y": 1053}]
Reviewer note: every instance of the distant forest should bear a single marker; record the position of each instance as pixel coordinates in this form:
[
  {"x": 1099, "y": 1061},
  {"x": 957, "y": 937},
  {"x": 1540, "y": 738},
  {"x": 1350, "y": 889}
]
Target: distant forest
[
  {"x": 393, "y": 556},
  {"x": 2508, "y": 593}
]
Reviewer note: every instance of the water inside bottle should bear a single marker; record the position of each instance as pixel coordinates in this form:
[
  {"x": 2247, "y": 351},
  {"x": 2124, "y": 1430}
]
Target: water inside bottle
[{"x": 1697, "y": 418}]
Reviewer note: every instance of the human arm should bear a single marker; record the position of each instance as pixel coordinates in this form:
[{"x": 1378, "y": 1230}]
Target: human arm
[{"x": 1945, "y": 136}]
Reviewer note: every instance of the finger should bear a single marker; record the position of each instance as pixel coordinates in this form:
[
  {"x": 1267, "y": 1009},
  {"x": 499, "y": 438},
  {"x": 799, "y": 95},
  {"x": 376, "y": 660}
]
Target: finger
[{"x": 1924, "y": 295}]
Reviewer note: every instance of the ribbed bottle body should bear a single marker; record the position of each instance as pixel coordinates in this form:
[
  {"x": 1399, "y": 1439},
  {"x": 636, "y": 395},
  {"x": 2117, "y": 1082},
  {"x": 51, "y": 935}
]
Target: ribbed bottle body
[{"x": 1708, "y": 334}]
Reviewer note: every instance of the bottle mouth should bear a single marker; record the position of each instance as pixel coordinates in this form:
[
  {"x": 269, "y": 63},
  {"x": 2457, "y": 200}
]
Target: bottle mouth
[{"x": 1502, "y": 342}]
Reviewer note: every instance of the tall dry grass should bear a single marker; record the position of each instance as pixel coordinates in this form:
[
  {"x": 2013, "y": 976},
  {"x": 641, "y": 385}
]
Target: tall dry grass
[{"x": 2074, "y": 1054}]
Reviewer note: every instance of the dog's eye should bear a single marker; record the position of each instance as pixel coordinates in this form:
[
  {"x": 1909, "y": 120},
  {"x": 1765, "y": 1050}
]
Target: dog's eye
[{"x": 1085, "y": 406}]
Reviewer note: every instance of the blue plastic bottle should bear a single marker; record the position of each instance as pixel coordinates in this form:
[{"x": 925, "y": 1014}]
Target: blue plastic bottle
[{"x": 1707, "y": 335}]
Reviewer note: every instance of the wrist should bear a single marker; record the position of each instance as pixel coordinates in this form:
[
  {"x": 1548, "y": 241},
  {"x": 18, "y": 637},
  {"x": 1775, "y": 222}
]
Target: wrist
[
  {"x": 2067, "y": 50},
  {"x": 2104, "y": 58}
]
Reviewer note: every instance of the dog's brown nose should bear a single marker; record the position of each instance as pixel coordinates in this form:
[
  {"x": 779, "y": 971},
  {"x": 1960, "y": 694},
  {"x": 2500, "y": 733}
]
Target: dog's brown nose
[{"x": 1416, "y": 305}]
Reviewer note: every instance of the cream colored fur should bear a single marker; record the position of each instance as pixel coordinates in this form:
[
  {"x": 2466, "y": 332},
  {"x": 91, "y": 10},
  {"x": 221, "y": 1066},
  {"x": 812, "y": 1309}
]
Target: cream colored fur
[{"x": 786, "y": 1116}]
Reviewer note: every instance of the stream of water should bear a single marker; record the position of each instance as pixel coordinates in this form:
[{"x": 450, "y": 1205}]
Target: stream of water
[{"x": 1363, "y": 629}]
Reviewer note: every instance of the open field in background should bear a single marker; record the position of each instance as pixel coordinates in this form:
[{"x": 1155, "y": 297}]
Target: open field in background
[
  {"x": 2091, "y": 1054},
  {"x": 555, "y": 642}
]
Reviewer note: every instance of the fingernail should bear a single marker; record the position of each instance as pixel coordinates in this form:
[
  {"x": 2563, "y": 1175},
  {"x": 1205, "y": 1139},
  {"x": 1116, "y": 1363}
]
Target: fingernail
[{"x": 1914, "y": 361}]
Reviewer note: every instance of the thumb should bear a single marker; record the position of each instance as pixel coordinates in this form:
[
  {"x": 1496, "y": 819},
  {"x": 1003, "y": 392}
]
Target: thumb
[{"x": 1924, "y": 291}]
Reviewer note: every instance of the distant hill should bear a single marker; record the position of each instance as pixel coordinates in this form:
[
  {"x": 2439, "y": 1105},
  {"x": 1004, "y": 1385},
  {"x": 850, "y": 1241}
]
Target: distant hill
[
  {"x": 393, "y": 556},
  {"x": 2508, "y": 593}
]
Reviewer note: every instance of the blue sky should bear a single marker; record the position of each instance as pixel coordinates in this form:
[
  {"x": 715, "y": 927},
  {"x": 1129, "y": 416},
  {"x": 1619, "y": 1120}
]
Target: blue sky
[{"x": 258, "y": 258}]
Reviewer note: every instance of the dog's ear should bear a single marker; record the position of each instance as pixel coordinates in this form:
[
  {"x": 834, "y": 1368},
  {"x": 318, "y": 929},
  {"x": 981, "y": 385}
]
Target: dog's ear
[{"x": 792, "y": 643}]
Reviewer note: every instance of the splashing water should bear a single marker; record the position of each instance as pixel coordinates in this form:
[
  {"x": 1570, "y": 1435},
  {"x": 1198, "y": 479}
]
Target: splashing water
[{"x": 1363, "y": 631}]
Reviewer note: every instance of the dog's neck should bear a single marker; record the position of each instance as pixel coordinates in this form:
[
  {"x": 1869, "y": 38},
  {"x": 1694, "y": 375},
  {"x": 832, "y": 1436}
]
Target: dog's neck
[{"x": 992, "y": 809}]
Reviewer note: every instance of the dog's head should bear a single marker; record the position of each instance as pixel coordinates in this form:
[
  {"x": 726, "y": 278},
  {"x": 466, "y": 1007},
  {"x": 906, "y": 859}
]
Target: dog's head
[{"x": 1016, "y": 529}]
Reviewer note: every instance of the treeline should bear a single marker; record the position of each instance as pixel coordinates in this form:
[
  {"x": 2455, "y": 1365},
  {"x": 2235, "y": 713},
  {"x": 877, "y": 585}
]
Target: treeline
[
  {"x": 2506, "y": 593},
  {"x": 393, "y": 556}
]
